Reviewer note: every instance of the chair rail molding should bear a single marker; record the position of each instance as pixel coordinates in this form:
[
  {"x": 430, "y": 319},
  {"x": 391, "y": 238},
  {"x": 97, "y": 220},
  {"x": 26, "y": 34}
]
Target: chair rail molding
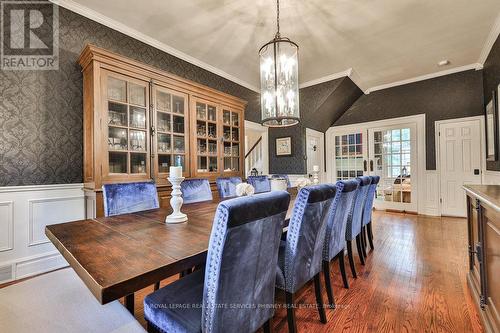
[
  {"x": 24, "y": 213},
  {"x": 418, "y": 120}
]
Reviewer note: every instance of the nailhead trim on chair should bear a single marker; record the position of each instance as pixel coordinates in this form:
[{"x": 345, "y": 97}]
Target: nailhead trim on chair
[
  {"x": 212, "y": 273},
  {"x": 333, "y": 210},
  {"x": 292, "y": 238}
]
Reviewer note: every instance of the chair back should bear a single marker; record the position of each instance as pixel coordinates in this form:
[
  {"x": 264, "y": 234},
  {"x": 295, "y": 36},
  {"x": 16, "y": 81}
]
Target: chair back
[
  {"x": 196, "y": 190},
  {"x": 370, "y": 196},
  {"x": 241, "y": 262},
  {"x": 306, "y": 235},
  {"x": 284, "y": 176},
  {"x": 337, "y": 220},
  {"x": 355, "y": 219},
  {"x": 260, "y": 183},
  {"x": 226, "y": 186},
  {"x": 129, "y": 197}
]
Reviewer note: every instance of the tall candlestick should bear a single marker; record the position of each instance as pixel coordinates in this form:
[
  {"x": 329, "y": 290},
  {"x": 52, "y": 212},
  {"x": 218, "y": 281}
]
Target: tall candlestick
[
  {"x": 176, "y": 201},
  {"x": 175, "y": 172}
]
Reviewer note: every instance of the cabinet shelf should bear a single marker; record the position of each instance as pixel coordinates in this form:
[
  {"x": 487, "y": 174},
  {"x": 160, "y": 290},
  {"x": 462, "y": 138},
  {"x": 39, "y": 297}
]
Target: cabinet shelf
[{"x": 132, "y": 98}]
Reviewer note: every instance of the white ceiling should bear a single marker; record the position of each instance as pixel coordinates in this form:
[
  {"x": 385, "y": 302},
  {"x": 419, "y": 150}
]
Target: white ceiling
[{"x": 382, "y": 40}]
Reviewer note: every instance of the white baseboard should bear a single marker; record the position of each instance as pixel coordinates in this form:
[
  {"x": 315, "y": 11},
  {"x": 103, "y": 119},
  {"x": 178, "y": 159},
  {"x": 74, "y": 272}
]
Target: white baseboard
[
  {"x": 39, "y": 264},
  {"x": 24, "y": 213}
]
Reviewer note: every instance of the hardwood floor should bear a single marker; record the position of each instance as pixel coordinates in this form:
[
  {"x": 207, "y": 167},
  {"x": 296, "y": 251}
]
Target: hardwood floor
[{"x": 414, "y": 281}]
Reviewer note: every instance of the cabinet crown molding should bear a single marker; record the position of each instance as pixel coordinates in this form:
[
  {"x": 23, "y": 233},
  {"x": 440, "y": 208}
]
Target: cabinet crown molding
[{"x": 110, "y": 59}]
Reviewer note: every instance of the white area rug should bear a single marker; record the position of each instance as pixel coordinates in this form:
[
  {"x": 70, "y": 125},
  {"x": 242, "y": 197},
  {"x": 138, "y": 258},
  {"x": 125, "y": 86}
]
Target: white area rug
[{"x": 60, "y": 302}]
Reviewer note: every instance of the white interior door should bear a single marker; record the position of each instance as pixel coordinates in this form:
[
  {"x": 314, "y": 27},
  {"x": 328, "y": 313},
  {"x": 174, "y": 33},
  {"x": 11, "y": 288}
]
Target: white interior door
[
  {"x": 459, "y": 163},
  {"x": 314, "y": 147},
  {"x": 392, "y": 156}
]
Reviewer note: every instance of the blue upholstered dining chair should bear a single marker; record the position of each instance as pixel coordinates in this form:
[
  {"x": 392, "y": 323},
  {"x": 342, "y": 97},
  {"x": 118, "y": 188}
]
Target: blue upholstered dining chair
[
  {"x": 129, "y": 197},
  {"x": 354, "y": 221},
  {"x": 367, "y": 212},
  {"x": 260, "y": 183},
  {"x": 196, "y": 190},
  {"x": 300, "y": 255},
  {"x": 284, "y": 176},
  {"x": 240, "y": 270},
  {"x": 226, "y": 186},
  {"x": 335, "y": 232}
]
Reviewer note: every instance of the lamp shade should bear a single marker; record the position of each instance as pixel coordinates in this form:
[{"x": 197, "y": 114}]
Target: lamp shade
[{"x": 279, "y": 83}]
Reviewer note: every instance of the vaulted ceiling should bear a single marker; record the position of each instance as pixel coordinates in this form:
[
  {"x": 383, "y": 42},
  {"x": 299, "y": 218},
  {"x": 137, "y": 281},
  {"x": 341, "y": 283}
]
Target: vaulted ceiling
[{"x": 383, "y": 41}]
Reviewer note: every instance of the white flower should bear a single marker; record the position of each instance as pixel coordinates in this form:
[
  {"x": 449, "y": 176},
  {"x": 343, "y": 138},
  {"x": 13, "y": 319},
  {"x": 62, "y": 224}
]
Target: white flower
[
  {"x": 244, "y": 189},
  {"x": 303, "y": 182}
]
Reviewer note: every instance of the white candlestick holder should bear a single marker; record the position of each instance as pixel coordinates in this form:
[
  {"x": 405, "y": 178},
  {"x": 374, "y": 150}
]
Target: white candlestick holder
[{"x": 176, "y": 201}]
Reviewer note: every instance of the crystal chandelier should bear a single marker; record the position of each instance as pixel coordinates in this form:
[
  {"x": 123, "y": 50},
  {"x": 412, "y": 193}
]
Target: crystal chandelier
[{"x": 279, "y": 81}]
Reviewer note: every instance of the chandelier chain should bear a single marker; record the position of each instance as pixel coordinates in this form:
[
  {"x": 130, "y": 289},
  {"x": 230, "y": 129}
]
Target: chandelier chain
[{"x": 278, "y": 18}]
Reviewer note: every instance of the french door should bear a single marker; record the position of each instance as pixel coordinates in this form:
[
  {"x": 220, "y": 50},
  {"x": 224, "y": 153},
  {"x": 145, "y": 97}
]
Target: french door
[
  {"x": 392, "y": 156},
  {"x": 350, "y": 155},
  {"x": 386, "y": 151}
]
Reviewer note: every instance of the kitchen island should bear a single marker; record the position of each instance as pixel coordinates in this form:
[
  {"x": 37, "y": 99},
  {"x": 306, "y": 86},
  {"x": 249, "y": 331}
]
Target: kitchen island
[{"x": 483, "y": 215}]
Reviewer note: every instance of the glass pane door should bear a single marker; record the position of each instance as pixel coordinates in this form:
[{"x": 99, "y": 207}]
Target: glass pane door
[
  {"x": 392, "y": 157},
  {"x": 206, "y": 138},
  {"x": 171, "y": 127},
  {"x": 127, "y": 130},
  {"x": 349, "y": 155},
  {"x": 231, "y": 140}
]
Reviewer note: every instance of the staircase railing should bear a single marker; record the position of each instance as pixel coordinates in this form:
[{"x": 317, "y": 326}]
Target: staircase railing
[{"x": 253, "y": 158}]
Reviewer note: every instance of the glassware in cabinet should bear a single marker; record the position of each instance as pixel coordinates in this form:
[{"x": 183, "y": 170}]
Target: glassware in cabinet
[
  {"x": 171, "y": 126},
  {"x": 127, "y": 130}
]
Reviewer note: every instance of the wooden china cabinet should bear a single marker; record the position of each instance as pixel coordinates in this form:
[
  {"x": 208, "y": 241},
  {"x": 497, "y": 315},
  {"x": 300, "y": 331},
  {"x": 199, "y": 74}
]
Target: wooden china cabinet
[{"x": 139, "y": 121}]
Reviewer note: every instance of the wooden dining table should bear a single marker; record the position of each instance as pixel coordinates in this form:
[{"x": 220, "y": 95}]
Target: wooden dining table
[{"x": 119, "y": 255}]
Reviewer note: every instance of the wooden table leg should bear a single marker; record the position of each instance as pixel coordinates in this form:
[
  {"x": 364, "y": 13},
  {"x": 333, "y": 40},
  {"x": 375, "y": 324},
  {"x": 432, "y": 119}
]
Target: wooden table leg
[{"x": 129, "y": 303}]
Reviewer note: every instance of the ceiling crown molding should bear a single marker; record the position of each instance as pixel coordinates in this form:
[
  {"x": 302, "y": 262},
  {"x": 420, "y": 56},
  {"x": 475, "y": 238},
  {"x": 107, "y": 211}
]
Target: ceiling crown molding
[
  {"x": 115, "y": 25},
  {"x": 488, "y": 44},
  {"x": 476, "y": 66},
  {"x": 326, "y": 78}
]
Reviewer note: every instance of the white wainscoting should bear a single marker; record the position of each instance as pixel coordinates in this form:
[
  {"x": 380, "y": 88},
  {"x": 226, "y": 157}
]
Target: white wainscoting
[
  {"x": 24, "y": 213},
  {"x": 431, "y": 198},
  {"x": 489, "y": 177}
]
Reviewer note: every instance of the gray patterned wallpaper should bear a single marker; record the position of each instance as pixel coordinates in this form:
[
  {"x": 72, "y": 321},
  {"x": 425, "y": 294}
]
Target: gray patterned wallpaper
[
  {"x": 446, "y": 97},
  {"x": 41, "y": 111},
  {"x": 294, "y": 164},
  {"x": 491, "y": 80}
]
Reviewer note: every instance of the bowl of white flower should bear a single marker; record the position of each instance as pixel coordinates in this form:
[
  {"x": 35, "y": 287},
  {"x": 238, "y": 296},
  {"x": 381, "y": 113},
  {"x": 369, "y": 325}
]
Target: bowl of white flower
[{"x": 244, "y": 189}]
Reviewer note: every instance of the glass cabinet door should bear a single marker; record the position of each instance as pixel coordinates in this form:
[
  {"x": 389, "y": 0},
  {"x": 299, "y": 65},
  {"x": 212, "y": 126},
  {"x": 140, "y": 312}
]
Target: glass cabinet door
[
  {"x": 206, "y": 134},
  {"x": 231, "y": 140},
  {"x": 171, "y": 125},
  {"x": 127, "y": 133}
]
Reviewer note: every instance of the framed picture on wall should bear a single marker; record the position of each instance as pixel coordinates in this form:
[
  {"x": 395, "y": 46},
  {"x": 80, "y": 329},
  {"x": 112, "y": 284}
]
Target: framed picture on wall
[
  {"x": 284, "y": 146},
  {"x": 491, "y": 115}
]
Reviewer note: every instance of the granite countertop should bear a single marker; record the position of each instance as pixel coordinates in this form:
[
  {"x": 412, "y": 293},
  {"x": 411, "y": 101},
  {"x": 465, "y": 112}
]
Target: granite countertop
[{"x": 489, "y": 194}]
